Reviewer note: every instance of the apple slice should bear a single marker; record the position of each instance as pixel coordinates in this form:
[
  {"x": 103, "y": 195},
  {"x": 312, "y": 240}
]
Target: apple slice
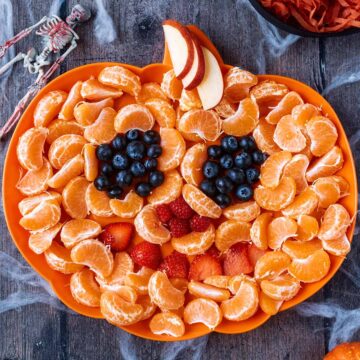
[
  {"x": 212, "y": 86},
  {"x": 197, "y": 71},
  {"x": 180, "y": 45}
]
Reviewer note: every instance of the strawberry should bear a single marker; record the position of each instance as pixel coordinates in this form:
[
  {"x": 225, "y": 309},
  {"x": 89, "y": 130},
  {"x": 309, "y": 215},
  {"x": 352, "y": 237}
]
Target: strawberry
[
  {"x": 199, "y": 223},
  {"x": 175, "y": 265},
  {"x": 181, "y": 209},
  {"x": 204, "y": 266},
  {"x": 236, "y": 260},
  {"x": 164, "y": 213},
  {"x": 179, "y": 227},
  {"x": 213, "y": 251},
  {"x": 117, "y": 235},
  {"x": 146, "y": 254},
  {"x": 255, "y": 254}
]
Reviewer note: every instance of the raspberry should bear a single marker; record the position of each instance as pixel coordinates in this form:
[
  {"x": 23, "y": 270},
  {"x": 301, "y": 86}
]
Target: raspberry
[
  {"x": 175, "y": 265},
  {"x": 199, "y": 223},
  {"x": 181, "y": 209},
  {"x": 179, "y": 227},
  {"x": 146, "y": 254},
  {"x": 164, "y": 213}
]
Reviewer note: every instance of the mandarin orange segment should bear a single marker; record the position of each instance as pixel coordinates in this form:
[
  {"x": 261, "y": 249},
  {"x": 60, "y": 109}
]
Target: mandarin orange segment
[
  {"x": 59, "y": 128},
  {"x": 98, "y": 202},
  {"x": 167, "y": 324},
  {"x": 84, "y": 288},
  {"x": 244, "y": 121},
  {"x": 254, "y": 254},
  {"x": 259, "y": 230},
  {"x": 328, "y": 191},
  {"x": 220, "y": 281},
  {"x": 301, "y": 249},
  {"x": 86, "y": 113},
  {"x": 189, "y": 100},
  {"x": 29, "y": 203},
  {"x": 344, "y": 186},
  {"x": 308, "y": 227},
  {"x": 203, "y": 311},
  {"x": 230, "y": 232},
  {"x": 282, "y": 288},
  {"x": 90, "y": 162},
  {"x": 264, "y": 137},
  {"x": 235, "y": 282},
  {"x": 148, "y": 307},
  {"x": 200, "y": 203},
  {"x": 129, "y": 207},
  {"x": 337, "y": 247},
  {"x": 133, "y": 116},
  {"x": 303, "y": 204},
  {"x": 280, "y": 229},
  {"x": 127, "y": 293},
  {"x": 67, "y": 110},
  {"x": 207, "y": 291},
  {"x": 162, "y": 111},
  {"x": 296, "y": 168},
  {"x": 246, "y": 211},
  {"x": 171, "y": 86},
  {"x": 303, "y": 113},
  {"x": 191, "y": 164},
  {"x": 140, "y": 280},
  {"x": 94, "y": 90},
  {"x": 271, "y": 264},
  {"x": 150, "y": 90},
  {"x": 268, "y": 305},
  {"x": 41, "y": 241},
  {"x": 73, "y": 197},
  {"x": 225, "y": 108}
]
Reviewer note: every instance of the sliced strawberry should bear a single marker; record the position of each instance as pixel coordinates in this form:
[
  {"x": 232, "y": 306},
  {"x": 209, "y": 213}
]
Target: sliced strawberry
[
  {"x": 117, "y": 235},
  {"x": 146, "y": 254},
  {"x": 255, "y": 254},
  {"x": 236, "y": 260},
  {"x": 175, "y": 265},
  {"x": 213, "y": 251},
  {"x": 204, "y": 266}
]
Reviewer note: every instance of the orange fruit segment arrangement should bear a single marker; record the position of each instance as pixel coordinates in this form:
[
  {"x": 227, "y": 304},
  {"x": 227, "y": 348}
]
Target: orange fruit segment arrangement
[{"x": 207, "y": 198}]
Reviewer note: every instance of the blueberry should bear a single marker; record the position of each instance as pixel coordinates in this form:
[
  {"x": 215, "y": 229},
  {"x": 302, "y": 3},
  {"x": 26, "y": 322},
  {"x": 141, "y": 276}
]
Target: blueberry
[
  {"x": 154, "y": 151},
  {"x": 214, "y": 151},
  {"x": 120, "y": 162},
  {"x": 244, "y": 192},
  {"x": 136, "y": 150},
  {"x": 223, "y": 200},
  {"x": 103, "y": 152},
  {"x": 101, "y": 183},
  {"x": 226, "y": 161},
  {"x": 243, "y": 160},
  {"x": 132, "y": 135},
  {"x": 137, "y": 169},
  {"x": 124, "y": 178},
  {"x": 106, "y": 169},
  {"x": 119, "y": 143},
  {"x": 115, "y": 192},
  {"x": 247, "y": 143},
  {"x": 150, "y": 164},
  {"x": 151, "y": 137},
  {"x": 143, "y": 189},
  {"x": 156, "y": 178},
  {"x": 252, "y": 175},
  {"x": 210, "y": 169},
  {"x": 208, "y": 187},
  {"x": 229, "y": 144},
  {"x": 258, "y": 157},
  {"x": 237, "y": 176},
  {"x": 224, "y": 185}
]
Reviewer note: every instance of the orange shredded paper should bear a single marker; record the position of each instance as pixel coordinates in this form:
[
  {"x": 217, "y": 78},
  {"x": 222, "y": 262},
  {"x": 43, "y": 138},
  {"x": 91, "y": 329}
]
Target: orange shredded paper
[{"x": 317, "y": 15}]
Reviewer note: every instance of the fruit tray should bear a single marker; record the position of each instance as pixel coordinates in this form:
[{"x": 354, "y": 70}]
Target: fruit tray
[{"x": 154, "y": 73}]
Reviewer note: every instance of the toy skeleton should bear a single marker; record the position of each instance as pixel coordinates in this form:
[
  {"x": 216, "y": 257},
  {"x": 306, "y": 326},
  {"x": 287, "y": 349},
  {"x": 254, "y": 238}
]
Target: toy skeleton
[{"x": 57, "y": 35}]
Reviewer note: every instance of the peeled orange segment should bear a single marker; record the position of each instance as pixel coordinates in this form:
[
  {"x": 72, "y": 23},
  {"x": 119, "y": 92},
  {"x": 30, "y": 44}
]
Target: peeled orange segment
[
  {"x": 90, "y": 162},
  {"x": 284, "y": 107},
  {"x": 150, "y": 90},
  {"x": 162, "y": 111},
  {"x": 225, "y": 108},
  {"x": 306, "y": 150},
  {"x": 173, "y": 149},
  {"x": 65, "y": 148},
  {"x": 77, "y": 230},
  {"x": 344, "y": 186},
  {"x": 73, "y": 198},
  {"x": 308, "y": 227},
  {"x": 259, "y": 230},
  {"x": 163, "y": 293},
  {"x": 84, "y": 288},
  {"x": 30, "y": 203},
  {"x": 180, "y": 283},
  {"x": 41, "y": 241},
  {"x": 282, "y": 288},
  {"x": 296, "y": 168},
  {"x": 67, "y": 110},
  {"x": 206, "y": 291},
  {"x": 327, "y": 165},
  {"x": 264, "y": 137},
  {"x": 230, "y": 232},
  {"x": 195, "y": 242},
  {"x": 311, "y": 269},
  {"x": 220, "y": 281},
  {"x": 129, "y": 207},
  {"x": 254, "y": 254},
  {"x": 42, "y": 217},
  {"x": 149, "y": 227},
  {"x": 167, "y": 324},
  {"x": 200, "y": 203},
  {"x": 98, "y": 202},
  {"x": 86, "y": 113},
  {"x": 327, "y": 190},
  {"x": 48, "y": 107},
  {"x": 279, "y": 230},
  {"x": 59, "y": 128},
  {"x": 337, "y": 247},
  {"x": 235, "y": 282},
  {"x": 94, "y": 90},
  {"x": 323, "y": 135},
  {"x": 169, "y": 190},
  {"x": 102, "y": 130},
  {"x": 133, "y": 116},
  {"x": 205, "y": 124},
  {"x": 30, "y": 148},
  {"x": 140, "y": 280},
  {"x": 118, "y": 311},
  {"x": 148, "y": 307},
  {"x": 71, "y": 169},
  {"x": 94, "y": 254},
  {"x": 271, "y": 264},
  {"x": 171, "y": 86},
  {"x": 277, "y": 198},
  {"x": 288, "y": 136},
  {"x": 189, "y": 100},
  {"x": 203, "y": 311},
  {"x": 272, "y": 169},
  {"x": 244, "y": 121},
  {"x": 35, "y": 181},
  {"x": 238, "y": 83},
  {"x": 58, "y": 258},
  {"x": 127, "y": 293},
  {"x": 268, "y": 305},
  {"x": 303, "y": 113},
  {"x": 335, "y": 222},
  {"x": 246, "y": 211},
  {"x": 120, "y": 78},
  {"x": 243, "y": 304},
  {"x": 191, "y": 165},
  {"x": 303, "y": 204},
  {"x": 301, "y": 249}
]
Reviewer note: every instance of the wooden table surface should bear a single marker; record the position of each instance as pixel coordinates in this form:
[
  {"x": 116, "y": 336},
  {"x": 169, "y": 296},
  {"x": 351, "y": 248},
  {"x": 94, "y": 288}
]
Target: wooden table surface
[{"x": 41, "y": 331}]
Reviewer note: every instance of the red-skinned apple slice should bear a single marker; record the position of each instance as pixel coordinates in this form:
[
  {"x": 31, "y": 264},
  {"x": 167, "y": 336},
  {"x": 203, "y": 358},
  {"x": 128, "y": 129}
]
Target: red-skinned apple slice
[
  {"x": 180, "y": 45},
  {"x": 212, "y": 86}
]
